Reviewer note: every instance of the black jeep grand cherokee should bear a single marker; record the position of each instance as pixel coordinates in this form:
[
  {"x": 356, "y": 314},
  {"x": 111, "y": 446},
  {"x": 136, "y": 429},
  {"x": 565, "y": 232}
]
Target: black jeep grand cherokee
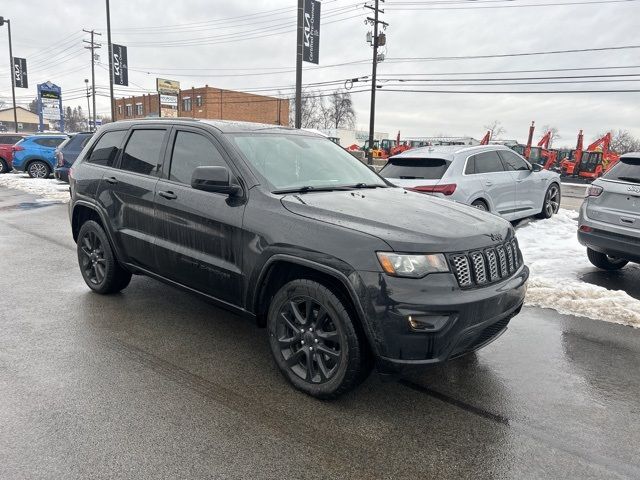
[{"x": 284, "y": 226}]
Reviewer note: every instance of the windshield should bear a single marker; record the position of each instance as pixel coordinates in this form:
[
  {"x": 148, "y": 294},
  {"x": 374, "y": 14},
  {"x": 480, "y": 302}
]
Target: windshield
[
  {"x": 536, "y": 155},
  {"x": 296, "y": 161},
  {"x": 626, "y": 170},
  {"x": 422, "y": 168}
]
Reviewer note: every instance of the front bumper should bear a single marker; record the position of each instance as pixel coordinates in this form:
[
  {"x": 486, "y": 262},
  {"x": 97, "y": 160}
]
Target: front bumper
[{"x": 457, "y": 321}]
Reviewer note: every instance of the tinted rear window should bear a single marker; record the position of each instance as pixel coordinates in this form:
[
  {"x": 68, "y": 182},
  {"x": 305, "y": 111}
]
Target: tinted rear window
[
  {"x": 423, "y": 168},
  {"x": 626, "y": 170}
]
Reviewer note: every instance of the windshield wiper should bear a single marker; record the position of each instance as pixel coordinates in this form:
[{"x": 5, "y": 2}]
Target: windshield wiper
[
  {"x": 630, "y": 179},
  {"x": 309, "y": 188},
  {"x": 367, "y": 185}
]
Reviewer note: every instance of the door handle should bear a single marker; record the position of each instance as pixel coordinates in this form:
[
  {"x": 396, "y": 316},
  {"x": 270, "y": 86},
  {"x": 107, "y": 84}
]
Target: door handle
[
  {"x": 111, "y": 180},
  {"x": 488, "y": 183},
  {"x": 168, "y": 195},
  {"x": 519, "y": 180}
]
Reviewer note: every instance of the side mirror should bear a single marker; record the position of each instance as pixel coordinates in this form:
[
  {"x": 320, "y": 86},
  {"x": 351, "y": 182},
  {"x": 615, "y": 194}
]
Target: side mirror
[
  {"x": 536, "y": 167},
  {"x": 214, "y": 179}
]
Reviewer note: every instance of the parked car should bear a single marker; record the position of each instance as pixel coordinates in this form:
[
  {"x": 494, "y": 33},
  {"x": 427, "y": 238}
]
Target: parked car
[
  {"x": 67, "y": 152},
  {"x": 609, "y": 222},
  {"x": 488, "y": 177},
  {"x": 7, "y": 141},
  {"x": 36, "y": 154},
  {"x": 289, "y": 229}
]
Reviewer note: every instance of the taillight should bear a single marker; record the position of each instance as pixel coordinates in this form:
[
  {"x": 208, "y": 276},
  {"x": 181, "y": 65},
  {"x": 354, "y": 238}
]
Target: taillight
[
  {"x": 586, "y": 229},
  {"x": 17, "y": 148},
  {"x": 446, "y": 189},
  {"x": 60, "y": 158},
  {"x": 594, "y": 191}
]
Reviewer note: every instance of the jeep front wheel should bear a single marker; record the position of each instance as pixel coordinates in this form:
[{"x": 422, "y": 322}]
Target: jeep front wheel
[{"x": 314, "y": 340}]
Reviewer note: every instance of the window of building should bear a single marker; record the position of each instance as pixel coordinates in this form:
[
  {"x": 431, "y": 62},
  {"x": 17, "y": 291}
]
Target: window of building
[
  {"x": 142, "y": 153},
  {"x": 106, "y": 149},
  {"x": 139, "y": 109},
  {"x": 191, "y": 150},
  {"x": 119, "y": 109},
  {"x": 186, "y": 104},
  {"x": 198, "y": 100},
  {"x": 129, "y": 110}
]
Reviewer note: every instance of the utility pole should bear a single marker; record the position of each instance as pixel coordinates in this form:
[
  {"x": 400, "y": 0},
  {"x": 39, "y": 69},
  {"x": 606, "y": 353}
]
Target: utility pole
[
  {"x": 13, "y": 73},
  {"x": 298, "y": 106},
  {"x": 110, "y": 48},
  {"x": 92, "y": 46},
  {"x": 377, "y": 40},
  {"x": 86, "y": 82}
]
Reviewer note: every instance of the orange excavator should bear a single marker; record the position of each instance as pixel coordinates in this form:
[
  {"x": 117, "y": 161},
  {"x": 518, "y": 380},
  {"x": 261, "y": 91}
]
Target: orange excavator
[
  {"x": 598, "y": 158},
  {"x": 570, "y": 165},
  {"x": 541, "y": 153}
]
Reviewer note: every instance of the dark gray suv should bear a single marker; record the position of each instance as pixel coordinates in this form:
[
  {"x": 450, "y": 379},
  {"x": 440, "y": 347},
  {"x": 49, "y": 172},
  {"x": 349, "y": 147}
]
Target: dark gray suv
[{"x": 285, "y": 227}]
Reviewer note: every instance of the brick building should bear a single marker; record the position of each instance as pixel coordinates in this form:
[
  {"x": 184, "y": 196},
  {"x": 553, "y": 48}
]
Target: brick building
[{"x": 211, "y": 103}]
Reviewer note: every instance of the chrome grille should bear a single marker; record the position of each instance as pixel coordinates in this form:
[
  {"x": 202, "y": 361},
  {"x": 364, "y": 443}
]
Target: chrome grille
[{"x": 478, "y": 268}]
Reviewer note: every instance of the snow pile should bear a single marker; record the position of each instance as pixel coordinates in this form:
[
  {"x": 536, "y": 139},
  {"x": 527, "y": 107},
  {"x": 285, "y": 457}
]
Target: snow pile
[
  {"x": 49, "y": 188},
  {"x": 557, "y": 262}
]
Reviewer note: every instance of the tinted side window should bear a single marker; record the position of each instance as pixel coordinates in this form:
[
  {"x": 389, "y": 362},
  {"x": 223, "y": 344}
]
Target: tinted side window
[
  {"x": 513, "y": 161},
  {"x": 488, "y": 162},
  {"x": 106, "y": 149},
  {"x": 470, "y": 168},
  {"x": 191, "y": 150},
  {"x": 54, "y": 142},
  {"x": 44, "y": 142},
  {"x": 142, "y": 153}
]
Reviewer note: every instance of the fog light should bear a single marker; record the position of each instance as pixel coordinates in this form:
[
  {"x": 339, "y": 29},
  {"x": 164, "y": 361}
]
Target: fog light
[{"x": 427, "y": 323}]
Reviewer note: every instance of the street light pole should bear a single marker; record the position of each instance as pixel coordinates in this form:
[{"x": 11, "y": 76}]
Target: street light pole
[
  {"x": 299, "y": 51},
  {"x": 86, "y": 82},
  {"x": 13, "y": 73},
  {"x": 110, "y": 49}
]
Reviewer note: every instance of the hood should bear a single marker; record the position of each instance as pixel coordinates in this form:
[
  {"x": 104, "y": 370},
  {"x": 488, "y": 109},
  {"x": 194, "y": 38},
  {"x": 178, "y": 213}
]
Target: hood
[{"x": 406, "y": 221}]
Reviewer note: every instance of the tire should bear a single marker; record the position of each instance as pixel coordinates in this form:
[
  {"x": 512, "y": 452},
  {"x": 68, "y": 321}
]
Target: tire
[
  {"x": 480, "y": 205},
  {"x": 39, "y": 169},
  {"x": 4, "y": 166},
  {"x": 98, "y": 265},
  {"x": 314, "y": 340},
  {"x": 551, "y": 202},
  {"x": 605, "y": 262}
]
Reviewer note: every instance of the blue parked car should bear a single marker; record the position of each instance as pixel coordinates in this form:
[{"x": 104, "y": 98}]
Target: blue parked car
[
  {"x": 36, "y": 154},
  {"x": 67, "y": 153}
]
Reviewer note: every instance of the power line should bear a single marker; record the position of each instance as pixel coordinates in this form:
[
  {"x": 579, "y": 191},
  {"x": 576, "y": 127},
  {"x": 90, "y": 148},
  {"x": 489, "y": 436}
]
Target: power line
[
  {"x": 399, "y": 6},
  {"x": 516, "y": 92},
  {"x": 539, "y": 70}
]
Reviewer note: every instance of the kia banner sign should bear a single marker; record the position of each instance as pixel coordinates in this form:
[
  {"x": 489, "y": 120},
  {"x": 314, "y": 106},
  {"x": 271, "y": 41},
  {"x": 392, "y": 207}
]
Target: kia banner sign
[
  {"x": 120, "y": 67},
  {"x": 20, "y": 72},
  {"x": 311, "y": 41}
]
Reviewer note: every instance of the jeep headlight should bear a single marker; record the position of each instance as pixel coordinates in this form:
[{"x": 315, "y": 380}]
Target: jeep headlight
[{"x": 413, "y": 266}]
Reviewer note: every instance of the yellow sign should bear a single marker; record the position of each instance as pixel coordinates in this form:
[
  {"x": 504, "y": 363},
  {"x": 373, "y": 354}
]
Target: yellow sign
[{"x": 167, "y": 87}]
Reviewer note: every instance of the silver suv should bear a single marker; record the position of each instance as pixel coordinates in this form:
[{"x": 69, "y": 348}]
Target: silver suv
[
  {"x": 609, "y": 223},
  {"x": 488, "y": 177}
]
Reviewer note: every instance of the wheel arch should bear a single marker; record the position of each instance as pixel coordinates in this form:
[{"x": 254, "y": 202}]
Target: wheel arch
[{"x": 282, "y": 268}]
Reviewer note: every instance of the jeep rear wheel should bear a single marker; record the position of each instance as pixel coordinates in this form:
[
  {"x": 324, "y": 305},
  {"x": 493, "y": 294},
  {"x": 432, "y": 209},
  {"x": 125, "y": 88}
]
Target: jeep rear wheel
[
  {"x": 314, "y": 341},
  {"x": 38, "y": 169},
  {"x": 605, "y": 262}
]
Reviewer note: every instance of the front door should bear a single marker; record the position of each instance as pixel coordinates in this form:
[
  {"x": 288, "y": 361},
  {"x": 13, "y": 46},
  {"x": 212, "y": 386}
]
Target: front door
[{"x": 199, "y": 234}]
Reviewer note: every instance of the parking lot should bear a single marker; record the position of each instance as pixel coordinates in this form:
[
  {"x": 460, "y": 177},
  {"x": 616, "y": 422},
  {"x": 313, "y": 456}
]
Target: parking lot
[{"x": 156, "y": 383}]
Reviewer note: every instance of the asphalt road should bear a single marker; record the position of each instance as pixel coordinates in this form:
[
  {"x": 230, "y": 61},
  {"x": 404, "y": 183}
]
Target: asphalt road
[{"x": 156, "y": 383}]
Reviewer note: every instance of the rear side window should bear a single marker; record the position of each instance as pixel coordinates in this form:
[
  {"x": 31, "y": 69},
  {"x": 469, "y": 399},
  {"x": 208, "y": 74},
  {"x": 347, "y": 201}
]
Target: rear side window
[
  {"x": 423, "y": 168},
  {"x": 488, "y": 162},
  {"x": 191, "y": 150},
  {"x": 142, "y": 153},
  {"x": 626, "y": 170},
  {"x": 513, "y": 161},
  {"x": 106, "y": 149},
  {"x": 49, "y": 142}
]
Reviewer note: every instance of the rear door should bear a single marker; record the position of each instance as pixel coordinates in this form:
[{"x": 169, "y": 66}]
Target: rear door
[
  {"x": 498, "y": 183},
  {"x": 619, "y": 202},
  {"x": 199, "y": 234},
  {"x": 127, "y": 193},
  {"x": 530, "y": 186}
]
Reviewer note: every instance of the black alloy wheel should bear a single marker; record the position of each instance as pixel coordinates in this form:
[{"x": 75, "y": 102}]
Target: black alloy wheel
[{"x": 93, "y": 262}]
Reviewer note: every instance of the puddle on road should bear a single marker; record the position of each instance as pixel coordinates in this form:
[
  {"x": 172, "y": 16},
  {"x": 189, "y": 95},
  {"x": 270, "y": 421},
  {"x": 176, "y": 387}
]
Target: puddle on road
[
  {"x": 626, "y": 279},
  {"x": 30, "y": 205}
]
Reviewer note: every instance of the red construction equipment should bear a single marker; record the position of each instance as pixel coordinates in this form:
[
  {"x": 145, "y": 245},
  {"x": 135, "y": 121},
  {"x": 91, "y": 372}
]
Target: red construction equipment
[
  {"x": 598, "y": 158},
  {"x": 540, "y": 154},
  {"x": 486, "y": 138},
  {"x": 527, "y": 149},
  {"x": 571, "y": 164}
]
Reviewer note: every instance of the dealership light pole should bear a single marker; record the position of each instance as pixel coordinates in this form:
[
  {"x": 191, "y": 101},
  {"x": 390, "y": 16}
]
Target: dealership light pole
[
  {"x": 110, "y": 48},
  {"x": 12, "y": 72},
  {"x": 298, "y": 106}
]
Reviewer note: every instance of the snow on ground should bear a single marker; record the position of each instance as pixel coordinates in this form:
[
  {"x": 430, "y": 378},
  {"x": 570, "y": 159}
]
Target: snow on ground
[
  {"x": 557, "y": 262},
  {"x": 49, "y": 188}
]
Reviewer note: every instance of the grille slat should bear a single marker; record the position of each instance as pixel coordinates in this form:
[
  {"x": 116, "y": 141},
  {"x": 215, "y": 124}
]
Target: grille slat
[{"x": 479, "y": 268}]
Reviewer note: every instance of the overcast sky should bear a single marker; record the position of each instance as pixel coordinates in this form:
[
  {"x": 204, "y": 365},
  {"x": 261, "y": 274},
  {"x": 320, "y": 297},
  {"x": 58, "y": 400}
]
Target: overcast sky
[{"x": 250, "y": 44}]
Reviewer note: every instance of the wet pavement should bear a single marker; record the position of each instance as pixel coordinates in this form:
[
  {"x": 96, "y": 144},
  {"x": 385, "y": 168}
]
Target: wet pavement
[{"x": 157, "y": 383}]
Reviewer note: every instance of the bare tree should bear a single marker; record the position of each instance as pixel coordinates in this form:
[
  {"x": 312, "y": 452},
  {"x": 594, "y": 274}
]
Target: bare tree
[
  {"x": 312, "y": 110},
  {"x": 338, "y": 112},
  {"x": 496, "y": 129},
  {"x": 622, "y": 141},
  {"x": 554, "y": 134}
]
